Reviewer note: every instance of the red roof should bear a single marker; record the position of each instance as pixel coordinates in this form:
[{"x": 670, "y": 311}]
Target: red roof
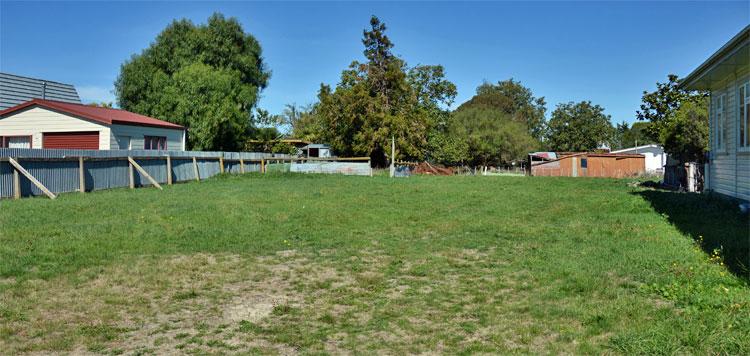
[{"x": 106, "y": 116}]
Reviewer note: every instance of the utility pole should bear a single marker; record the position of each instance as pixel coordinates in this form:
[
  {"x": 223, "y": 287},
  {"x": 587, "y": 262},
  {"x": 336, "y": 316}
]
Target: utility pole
[{"x": 393, "y": 156}]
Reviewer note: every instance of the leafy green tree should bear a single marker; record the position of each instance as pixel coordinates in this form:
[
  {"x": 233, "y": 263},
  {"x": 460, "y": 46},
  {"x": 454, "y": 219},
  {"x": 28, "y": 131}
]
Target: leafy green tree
[
  {"x": 678, "y": 119},
  {"x": 308, "y": 125},
  {"x": 618, "y": 136},
  {"x": 685, "y": 135},
  {"x": 292, "y": 116},
  {"x": 264, "y": 118},
  {"x": 206, "y": 77},
  {"x": 448, "y": 149},
  {"x": 637, "y": 135},
  {"x": 379, "y": 99},
  {"x": 515, "y": 100},
  {"x": 499, "y": 123},
  {"x": 627, "y": 136},
  {"x": 267, "y": 139},
  {"x": 435, "y": 94},
  {"x": 430, "y": 86},
  {"x": 493, "y": 137},
  {"x": 579, "y": 127}
]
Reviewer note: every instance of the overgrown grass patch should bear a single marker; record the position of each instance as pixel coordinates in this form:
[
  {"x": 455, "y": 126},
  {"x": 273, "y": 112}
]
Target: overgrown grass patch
[{"x": 283, "y": 263}]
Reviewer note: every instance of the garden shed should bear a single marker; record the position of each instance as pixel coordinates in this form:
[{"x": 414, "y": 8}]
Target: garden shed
[{"x": 585, "y": 164}]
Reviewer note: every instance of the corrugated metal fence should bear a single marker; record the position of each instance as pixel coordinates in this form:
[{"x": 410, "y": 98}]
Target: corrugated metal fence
[
  {"x": 59, "y": 170},
  {"x": 346, "y": 168}
]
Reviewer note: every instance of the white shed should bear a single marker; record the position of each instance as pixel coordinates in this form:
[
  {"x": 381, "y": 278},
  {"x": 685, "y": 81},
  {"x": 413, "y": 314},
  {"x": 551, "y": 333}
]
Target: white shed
[
  {"x": 54, "y": 124},
  {"x": 315, "y": 150},
  {"x": 656, "y": 158}
]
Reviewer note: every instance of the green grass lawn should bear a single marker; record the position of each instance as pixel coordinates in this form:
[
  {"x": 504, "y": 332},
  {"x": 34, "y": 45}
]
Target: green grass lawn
[{"x": 284, "y": 263}]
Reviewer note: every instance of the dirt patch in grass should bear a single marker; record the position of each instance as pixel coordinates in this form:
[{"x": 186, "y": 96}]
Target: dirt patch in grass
[
  {"x": 252, "y": 308},
  {"x": 200, "y": 303}
]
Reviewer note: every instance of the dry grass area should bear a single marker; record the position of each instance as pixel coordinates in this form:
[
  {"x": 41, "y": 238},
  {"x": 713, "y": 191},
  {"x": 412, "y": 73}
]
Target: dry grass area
[
  {"x": 204, "y": 303},
  {"x": 161, "y": 305}
]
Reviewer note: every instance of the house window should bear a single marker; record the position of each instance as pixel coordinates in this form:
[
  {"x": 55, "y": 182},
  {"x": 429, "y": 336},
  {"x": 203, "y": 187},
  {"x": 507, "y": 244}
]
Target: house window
[
  {"x": 584, "y": 163},
  {"x": 719, "y": 121},
  {"x": 15, "y": 141},
  {"x": 154, "y": 143},
  {"x": 744, "y": 117}
]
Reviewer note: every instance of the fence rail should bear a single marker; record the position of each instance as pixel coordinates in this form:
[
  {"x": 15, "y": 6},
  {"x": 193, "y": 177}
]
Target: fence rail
[{"x": 29, "y": 172}]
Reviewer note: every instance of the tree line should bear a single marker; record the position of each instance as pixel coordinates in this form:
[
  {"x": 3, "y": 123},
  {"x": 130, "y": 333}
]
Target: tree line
[{"x": 209, "y": 78}]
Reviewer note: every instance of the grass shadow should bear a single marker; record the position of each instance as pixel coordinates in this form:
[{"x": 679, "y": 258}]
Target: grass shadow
[{"x": 716, "y": 219}]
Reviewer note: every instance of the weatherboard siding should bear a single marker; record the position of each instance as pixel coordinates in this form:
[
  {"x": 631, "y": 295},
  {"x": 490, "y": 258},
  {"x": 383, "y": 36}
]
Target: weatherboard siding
[
  {"x": 35, "y": 121},
  {"x": 137, "y": 133},
  {"x": 729, "y": 169}
]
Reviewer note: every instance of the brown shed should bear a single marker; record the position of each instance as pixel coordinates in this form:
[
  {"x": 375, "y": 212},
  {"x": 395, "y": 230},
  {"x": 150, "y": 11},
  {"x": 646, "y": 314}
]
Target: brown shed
[{"x": 603, "y": 165}]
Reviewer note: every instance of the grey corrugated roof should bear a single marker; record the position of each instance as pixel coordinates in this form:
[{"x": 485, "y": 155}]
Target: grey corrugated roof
[{"x": 15, "y": 89}]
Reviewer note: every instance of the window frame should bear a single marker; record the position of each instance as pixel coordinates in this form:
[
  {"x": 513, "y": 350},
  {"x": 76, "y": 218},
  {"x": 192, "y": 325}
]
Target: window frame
[
  {"x": 743, "y": 117},
  {"x": 148, "y": 143},
  {"x": 4, "y": 141},
  {"x": 118, "y": 139}
]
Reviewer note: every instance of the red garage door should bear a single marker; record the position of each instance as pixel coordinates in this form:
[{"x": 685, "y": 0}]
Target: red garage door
[{"x": 71, "y": 140}]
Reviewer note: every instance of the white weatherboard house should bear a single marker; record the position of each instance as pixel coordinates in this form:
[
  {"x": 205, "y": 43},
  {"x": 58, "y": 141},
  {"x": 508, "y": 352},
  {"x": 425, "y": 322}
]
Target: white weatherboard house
[
  {"x": 726, "y": 75},
  {"x": 54, "y": 124},
  {"x": 656, "y": 158}
]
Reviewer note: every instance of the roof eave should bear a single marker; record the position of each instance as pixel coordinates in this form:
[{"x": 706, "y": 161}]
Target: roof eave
[
  {"x": 635, "y": 148},
  {"x": 102, "y": 121},
  {"x": 689, "y": 82},
  {"x": 128, "y": 123}
]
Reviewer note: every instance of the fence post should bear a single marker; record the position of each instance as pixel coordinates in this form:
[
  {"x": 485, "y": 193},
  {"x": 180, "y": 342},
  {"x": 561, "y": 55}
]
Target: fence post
[
  {"x": 143, "y": 173},
  {"x": 242, "y": 165},
  {"x": 169, "y": 170},
  {"x": 131, "y": 176},
  {"x": 195, "y": 169},
  {"x": 36, "y": 182},
  {"x": 221, "y": 163},
  {"x": 263, "y": 165},
  {"x": 393, "y": 156},
  {"x": 81, "y": 176},
  {"x": 16, "y": 184}
]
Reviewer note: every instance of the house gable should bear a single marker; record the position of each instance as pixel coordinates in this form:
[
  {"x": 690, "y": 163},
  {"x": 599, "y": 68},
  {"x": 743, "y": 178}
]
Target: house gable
[{"x": 35, "y": 121}]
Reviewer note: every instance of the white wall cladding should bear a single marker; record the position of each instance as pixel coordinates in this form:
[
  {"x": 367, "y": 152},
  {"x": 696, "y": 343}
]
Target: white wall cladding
[
  {"x": 136, "y": 133},
  {"x": 35, "y": 121},
  {"x": 729, "y": 168},
  {"x": 347, "y": 168}
]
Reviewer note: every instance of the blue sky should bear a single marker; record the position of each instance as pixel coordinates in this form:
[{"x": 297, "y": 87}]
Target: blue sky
[{"x": 606, "y": 52}]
